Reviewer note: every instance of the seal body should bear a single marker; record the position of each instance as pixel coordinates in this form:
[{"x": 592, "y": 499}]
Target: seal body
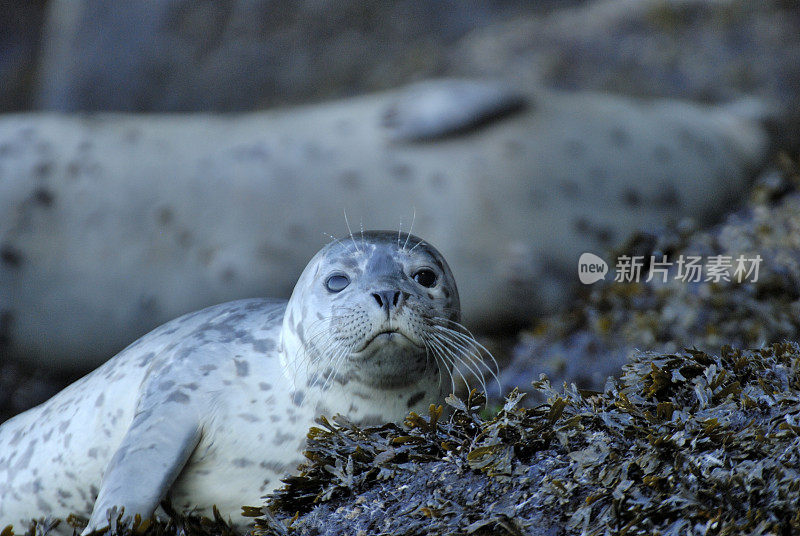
[
  {"x": 213, "y": 408},
  {"x": 95, "y": 240}
]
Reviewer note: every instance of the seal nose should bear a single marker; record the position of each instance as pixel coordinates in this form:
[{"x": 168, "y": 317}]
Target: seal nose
[{"x": 388, "y": 299}]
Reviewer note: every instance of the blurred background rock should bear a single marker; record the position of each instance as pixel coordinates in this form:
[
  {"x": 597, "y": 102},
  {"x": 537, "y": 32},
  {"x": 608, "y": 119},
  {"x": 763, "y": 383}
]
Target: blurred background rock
[{"x": 227, "y": 55}]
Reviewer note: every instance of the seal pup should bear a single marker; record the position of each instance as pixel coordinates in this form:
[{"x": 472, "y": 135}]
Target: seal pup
[
  {"x": 213, "y": 408},
  {"x": 98, "y": 247}
]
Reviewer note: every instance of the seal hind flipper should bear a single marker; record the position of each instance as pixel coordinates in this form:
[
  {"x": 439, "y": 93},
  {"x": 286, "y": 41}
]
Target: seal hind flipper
[{"x": 439, "y": 108}]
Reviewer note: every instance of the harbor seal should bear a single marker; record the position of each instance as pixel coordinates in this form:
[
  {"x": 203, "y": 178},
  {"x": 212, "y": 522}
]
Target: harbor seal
[
  {"x": 113, "y": 224},
  {"x": 213, "y": 408}
]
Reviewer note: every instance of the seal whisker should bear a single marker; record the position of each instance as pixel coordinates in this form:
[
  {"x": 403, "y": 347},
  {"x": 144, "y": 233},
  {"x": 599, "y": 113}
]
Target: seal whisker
[
  {"x": 335, "y": 359},
  {"x": 467, "y": 357},
  {"x": 411, "y": 229},
  {"x": 333, "y": 238},
  {"x": 465, "y": 334},
  {"x": 443, "y": 363},
  {"x": 349, "y": 230},
  {"x": 464, "y": 355},
  {"x": 447, "y": 356},
  {"x": 471, "y": 341},
  {"x": 421, "y": 242},
  {"x": 400, "y": 231},
  {"x": 438, "y": 366},
  {"x": 473, "y": 360}
]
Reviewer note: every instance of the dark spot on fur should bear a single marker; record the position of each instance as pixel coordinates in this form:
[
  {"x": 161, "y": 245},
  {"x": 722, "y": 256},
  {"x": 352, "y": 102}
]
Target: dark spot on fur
[
  {"x": 538, "y": 198},
  {"x": 11, "y": 256},
  {"x": 598, "y": 175},
  {"x": 132, "y": 135},
  {"x": 401, "y": 172},
  {"x": 570, "y": 188},
  {"x": 167, "y": 385},
  {"x": 438, "y": 181},
  {"x": 26, "y": 133},
  {"x": 581, "y": 225},
  {"x": 43, "y": 505},
  {"x": 604, "y": 234},
  {"x": 513, "y": 148},
  {"x": 207, "y": 368},
  {"x": 43, "y": 169},
  {"x": 178, "y": 397},
  {"x": 575, "y": 148},
  {"x": 264, "y": 345},
  {"x": 73, "y": 170},
  {"x": 689, "y": 140},
  {"x": 228, "y": 275},
  {"x": 668, "y": 196},
  {"x": 631, "y": 197},
  {"x": 350, "y": 179},
  {"x": 99, "y": 401},
  {"x": 345, "y": 126},
  {"x": 415, "y": 398},
  {"x": 662, "y": 154},
  {"x": 242, "y": 368},
  {"x": 312, "y": 151},
  {"x": 165, "y": 215},
  {"x": 184, "y": 239},
  {"x": 43, "y": 196},
  {"x": 619, "y": 136},
  {"x": 264, "y": 386},
  {"x": 281, "y": 438},
  {"x": 241, "y": 462},
  {"x": 297, "y": 398}
]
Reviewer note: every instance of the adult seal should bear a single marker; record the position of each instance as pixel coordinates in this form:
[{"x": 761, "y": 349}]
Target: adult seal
[
  {"x": 111, "y": 225},
  {"x": 213, "y": 408}
]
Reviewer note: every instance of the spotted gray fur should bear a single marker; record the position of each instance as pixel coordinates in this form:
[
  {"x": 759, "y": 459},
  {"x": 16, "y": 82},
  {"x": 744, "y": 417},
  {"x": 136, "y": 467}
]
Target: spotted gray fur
[
  {"x": 194, "y": 407},
  {"x": 500, "y": 200}
]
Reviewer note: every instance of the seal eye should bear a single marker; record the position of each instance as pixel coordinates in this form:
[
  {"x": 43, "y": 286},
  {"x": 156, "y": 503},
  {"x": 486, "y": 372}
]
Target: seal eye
[
  {"x": 425, "y": 277},
  {"x": 337, "y": 282}
]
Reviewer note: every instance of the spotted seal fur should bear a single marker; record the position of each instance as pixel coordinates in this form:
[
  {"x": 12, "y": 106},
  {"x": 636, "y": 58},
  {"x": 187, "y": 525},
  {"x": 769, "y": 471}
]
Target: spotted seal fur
[
  {"x": 113, "y": 224},
  {"x": 213, "y": 408}
]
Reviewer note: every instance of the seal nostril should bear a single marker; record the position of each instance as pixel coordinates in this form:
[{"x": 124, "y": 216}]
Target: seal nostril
[{"x": 388, "y": 299}]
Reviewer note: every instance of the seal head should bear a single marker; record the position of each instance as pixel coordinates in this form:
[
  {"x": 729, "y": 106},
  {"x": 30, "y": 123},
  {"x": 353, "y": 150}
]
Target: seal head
[{"x": 371, "y": 309}]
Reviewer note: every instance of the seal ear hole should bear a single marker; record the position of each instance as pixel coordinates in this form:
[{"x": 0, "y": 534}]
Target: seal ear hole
[
  {"x": 337, "y": 282},
  {"x": 425, "y": 277}
]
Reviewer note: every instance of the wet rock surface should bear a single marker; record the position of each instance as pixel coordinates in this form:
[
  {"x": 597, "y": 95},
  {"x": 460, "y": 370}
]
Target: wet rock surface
[
  {"x": 681, "y": 442},
  {"x": 613, "y": 320},
  {"x": 688, "y": 442}
]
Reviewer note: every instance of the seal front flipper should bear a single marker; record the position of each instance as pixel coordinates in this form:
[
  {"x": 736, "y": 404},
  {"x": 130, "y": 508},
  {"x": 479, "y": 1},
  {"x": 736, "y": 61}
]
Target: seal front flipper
[
  {"x": 439, "y": 108},
  {"x": 154, "y": 450}
]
